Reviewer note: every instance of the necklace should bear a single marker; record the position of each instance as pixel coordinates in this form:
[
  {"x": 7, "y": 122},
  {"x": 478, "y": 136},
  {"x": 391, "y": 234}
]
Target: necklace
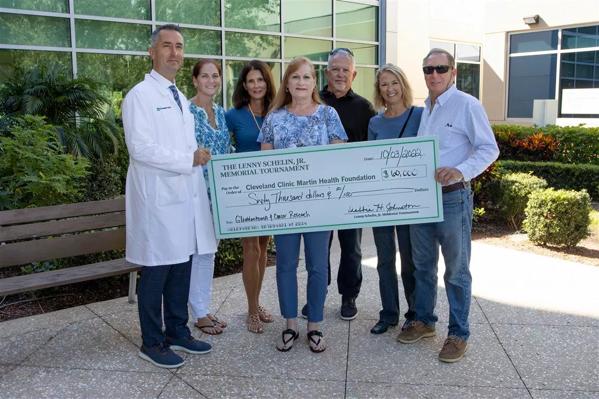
[{"x": 254, "y": 116}]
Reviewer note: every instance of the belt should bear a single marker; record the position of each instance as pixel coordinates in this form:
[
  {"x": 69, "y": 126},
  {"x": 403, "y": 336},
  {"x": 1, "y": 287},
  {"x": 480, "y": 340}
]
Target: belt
[{"x": 455, "y": 186}]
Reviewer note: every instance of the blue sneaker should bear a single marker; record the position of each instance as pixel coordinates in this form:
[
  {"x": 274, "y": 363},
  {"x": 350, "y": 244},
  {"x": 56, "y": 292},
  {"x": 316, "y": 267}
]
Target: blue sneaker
[
  {"x": 161, "y": 356},
  {"x": 189, "y": 345}
]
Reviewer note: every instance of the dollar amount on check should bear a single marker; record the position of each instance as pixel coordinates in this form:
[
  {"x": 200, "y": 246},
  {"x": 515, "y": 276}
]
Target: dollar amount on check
[{"x": 332, "y": 187}]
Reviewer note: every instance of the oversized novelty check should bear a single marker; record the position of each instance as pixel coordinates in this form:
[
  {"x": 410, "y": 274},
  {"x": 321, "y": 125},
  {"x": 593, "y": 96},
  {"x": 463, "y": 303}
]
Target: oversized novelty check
[{"x": 332, "y": 187}]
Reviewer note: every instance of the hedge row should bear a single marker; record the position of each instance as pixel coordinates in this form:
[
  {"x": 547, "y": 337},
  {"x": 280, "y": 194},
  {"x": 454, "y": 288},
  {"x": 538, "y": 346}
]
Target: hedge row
[
  {"x": 570, "y": 144},
  {"x": 559, "y": 175}
]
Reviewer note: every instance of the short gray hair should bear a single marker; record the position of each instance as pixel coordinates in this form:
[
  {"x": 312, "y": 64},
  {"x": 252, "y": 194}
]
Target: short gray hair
[
  {"x": 343, "y": 52},
  {"x": 156, "y": 33},
  {"x": 450, "y": 57}
]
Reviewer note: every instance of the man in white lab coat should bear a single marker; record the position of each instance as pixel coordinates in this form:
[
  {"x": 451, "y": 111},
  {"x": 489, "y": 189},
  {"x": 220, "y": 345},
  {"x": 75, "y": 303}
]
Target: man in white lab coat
[{"x": 168, "y": 215}]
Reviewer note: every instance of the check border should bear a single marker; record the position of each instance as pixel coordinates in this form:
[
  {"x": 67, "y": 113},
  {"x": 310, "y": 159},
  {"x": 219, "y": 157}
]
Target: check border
[{"x": 262, "y": 155}]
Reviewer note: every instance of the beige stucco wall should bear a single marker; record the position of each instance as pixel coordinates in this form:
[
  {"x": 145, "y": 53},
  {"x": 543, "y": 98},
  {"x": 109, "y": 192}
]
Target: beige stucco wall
[{"x": 412, "y": 24}]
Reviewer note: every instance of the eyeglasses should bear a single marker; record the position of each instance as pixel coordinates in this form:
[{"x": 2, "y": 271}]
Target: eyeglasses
[
  {"x": 341, "y": 49},
  {"x": 440, "y": 69}
]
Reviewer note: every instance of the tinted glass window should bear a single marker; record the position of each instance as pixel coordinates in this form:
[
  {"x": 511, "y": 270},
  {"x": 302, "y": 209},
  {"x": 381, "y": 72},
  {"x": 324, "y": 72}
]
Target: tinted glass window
[
  {"x": 34, "y": 30},
  {"x": 468, "y": 78},
  {"x": 531, "y": 77},
  {"x": 356, "y": 21},
  {"x": 112, "y": 35},
  {"x": 255, "y": 14},
  {"x": 197, "y": 12},
  {"x": 534, "y": 41},
  {"x": 309, "y": 17},
  {"x": 134, "y": 9},
  {"x": 37, "y": 5},
  {"x": 587, "y": 36}
]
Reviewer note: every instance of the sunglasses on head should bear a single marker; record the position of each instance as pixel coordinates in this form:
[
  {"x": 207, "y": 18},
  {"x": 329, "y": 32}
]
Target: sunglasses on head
[
  {"x": 341, "y": 49},
  {"x": 440, "y": 69}
]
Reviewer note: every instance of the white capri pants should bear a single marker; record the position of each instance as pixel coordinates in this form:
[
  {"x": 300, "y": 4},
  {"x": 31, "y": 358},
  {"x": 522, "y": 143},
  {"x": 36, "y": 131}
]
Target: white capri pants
[{"x": 200, "y": 286}]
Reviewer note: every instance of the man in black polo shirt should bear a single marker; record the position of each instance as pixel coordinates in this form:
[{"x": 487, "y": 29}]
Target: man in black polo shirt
[{"x": 355, "y": 111}]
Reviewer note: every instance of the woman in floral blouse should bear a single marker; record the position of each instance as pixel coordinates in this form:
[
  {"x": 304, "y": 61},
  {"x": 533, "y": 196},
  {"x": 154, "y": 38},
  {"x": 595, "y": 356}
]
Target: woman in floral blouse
[
  {"x": 211, "y": 132},
  {"x": 299, "y": 119}
]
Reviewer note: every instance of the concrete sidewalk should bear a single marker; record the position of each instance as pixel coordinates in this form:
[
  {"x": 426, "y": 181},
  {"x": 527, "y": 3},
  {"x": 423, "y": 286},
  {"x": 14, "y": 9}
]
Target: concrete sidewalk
[{"x": 534, "y": 322}]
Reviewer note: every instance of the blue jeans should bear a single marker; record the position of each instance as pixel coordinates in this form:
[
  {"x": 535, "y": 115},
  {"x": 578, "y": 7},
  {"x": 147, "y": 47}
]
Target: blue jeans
[
  {"x": 316, "y": 247},
  {"x": 453, "y": 235},
  {"x": 349, "y": 276},
  {"x": 168, "y": 284},
  {"x": 384, "y": 239}
]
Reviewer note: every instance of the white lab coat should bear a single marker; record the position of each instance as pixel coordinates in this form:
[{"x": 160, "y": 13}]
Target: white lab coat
[{"x": 168, "y": 214}]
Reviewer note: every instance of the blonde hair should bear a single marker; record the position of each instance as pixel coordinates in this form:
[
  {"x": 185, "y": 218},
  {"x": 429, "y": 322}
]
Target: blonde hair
[
  {"x": 406, "y": 90},
  {"x": 283, "y": 96}
]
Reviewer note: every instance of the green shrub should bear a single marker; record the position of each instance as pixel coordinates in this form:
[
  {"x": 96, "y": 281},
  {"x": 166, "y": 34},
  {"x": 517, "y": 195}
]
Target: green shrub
[
  {"x": 107, "y": 176},
  {"x": 558, "y": 217},
  {"x": 560, "y": 175},
  {"x": 77, "y": 108},
  {"x": 33, "y": 169},
  {"x": 570, "y": 144},
  {"x": 515, "y": 188},
  {"x": 229, "y": 257}
]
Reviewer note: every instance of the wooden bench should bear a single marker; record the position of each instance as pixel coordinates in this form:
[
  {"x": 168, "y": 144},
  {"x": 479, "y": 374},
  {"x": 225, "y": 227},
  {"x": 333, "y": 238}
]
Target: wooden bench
[{"x": 55, "y": 232}]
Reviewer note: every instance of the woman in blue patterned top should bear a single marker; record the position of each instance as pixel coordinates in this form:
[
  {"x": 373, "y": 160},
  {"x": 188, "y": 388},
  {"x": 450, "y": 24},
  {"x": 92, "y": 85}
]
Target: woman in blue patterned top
[
  {"x": 399, "y": 119},
  {"x": 299, "y": 119},
  {"x": 253, "y": 94},
  {"x": 212, "y": 133}
]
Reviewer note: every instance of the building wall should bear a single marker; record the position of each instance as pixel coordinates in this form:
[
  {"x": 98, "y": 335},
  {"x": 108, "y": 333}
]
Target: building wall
[{"x": 412, "y": 24}]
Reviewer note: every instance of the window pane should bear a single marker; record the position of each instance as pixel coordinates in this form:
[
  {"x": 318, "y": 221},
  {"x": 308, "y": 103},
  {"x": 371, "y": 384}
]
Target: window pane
[
  {"x": 534, "y": 41},
  {"x": 118, "y": 73},
  {"x": 250, "y": 45},
  {"x": 315, "y": 50},
  {"x": 364, "y": 83},
  {"x": 580, "y": 37},
  {"x": 567, "y": 69},
  {"x": 134, "y": 9},
  {"x": 468, "y": 78},
  {"x": 37, "y": 5},
  {"x": 199, "y": 41},
  {"x": 449, "y": 47},
  {"x": 582, "y": 65},
  {"x": 234, "y": 69},
  {"x": 356, "y": 21},
  {"x": 9, "y": 59},
  {"x": 363, "y": 53},
  {"x": 189, "y": 11},
  {"x": 467, "y": 52},
  {"x": 112, "y": 35},
  {"x": 584, "y": 71},
  {"x": 309, "y": 17},
  {"x": 531, "y": 78},
  {"x": 256, "y": 14},
  {"x": 35, "y": 31}
]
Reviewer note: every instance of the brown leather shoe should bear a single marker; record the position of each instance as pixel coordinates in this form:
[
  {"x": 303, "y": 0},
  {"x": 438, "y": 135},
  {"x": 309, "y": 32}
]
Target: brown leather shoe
[
  {"x": 415, "y": 331},
  {"x": 453, "y": 349}
]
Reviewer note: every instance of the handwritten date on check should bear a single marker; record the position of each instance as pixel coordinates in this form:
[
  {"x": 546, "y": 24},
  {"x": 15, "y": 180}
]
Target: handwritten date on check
[{"x": 332, "y": 187}]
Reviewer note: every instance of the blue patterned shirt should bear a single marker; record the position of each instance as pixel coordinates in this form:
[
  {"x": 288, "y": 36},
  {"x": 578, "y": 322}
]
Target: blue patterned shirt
[
  {"x": 218, "y": 140},
  {"x": 283, "y": 129}
]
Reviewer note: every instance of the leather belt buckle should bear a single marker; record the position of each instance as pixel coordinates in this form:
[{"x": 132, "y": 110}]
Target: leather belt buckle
[{"x": 455, "y": 186}]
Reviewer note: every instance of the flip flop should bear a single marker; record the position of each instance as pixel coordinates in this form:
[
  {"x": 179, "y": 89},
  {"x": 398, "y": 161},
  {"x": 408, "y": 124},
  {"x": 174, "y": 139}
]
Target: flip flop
[
  {"x": 217, "y": 322},
  {"x": 265, "y": 316},
  {"x": 288, "y": 338},
  {"x": 254, "y": 324},
  {"x": 208, "y": 327},
  {"x": 316, "y": 341}
]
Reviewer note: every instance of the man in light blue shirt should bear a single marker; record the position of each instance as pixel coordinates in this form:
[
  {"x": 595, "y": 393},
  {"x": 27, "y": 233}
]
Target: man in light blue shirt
[{"x": 467, "y": 147}]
